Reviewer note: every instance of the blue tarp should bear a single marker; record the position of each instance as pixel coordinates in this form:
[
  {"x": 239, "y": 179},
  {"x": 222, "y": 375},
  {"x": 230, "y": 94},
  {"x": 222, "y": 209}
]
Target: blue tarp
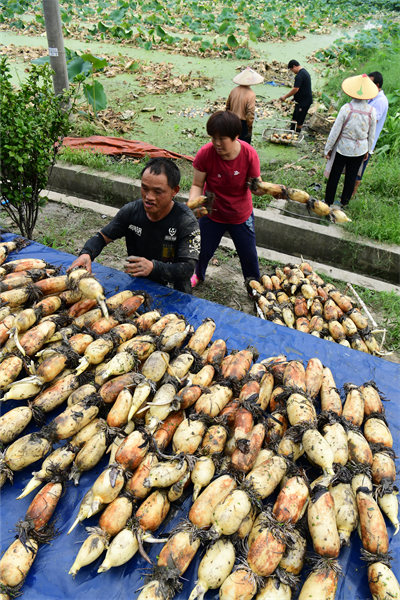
[{"x": 49, "y": 579}]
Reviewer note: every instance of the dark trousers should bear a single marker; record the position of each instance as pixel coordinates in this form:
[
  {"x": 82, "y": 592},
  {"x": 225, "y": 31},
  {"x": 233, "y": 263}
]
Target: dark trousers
[
  {"x": 359, "y": 177},
  {"x": 299, "y": 114},
  {"x": 246, "y": 134},
  {"x": 244, "y": 238},
  {"x": 352, "y": 164}
]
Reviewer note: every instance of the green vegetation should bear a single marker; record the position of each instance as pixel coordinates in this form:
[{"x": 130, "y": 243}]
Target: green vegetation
[
  {"x": 225, "y": 26},
  {"x": 376, "y": 42},
  {"x": 375, "y": 210},
  {"x": 32, "y": 121},
  {"x": 96, "y": 160},
  {"x": 55, "y": 237},
  {"x": 387, "y": 306}
]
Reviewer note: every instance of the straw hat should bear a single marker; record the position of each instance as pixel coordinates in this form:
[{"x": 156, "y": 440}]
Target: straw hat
[
  {"x": 248, "y": 77},
  {"x": 360, "y": 87}
]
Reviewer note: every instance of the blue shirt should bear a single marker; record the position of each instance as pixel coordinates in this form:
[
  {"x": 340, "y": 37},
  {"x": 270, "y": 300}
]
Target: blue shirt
[{"x": 381, "y": 104}]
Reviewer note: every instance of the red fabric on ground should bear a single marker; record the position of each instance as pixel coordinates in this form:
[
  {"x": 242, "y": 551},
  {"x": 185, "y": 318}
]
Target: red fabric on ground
[{"x": 114, "y": 146}]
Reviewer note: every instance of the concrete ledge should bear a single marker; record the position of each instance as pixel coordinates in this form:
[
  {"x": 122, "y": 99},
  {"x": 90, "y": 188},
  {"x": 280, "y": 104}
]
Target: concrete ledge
[
  {"x": 101, "y": 186},
  {"x": 298, "y": 236}
]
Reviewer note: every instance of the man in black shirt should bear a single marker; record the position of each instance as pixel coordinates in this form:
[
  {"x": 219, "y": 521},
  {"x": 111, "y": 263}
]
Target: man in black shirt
[
  {"x": 162, "y": 236},
  {"x": 301, "y": 91}
]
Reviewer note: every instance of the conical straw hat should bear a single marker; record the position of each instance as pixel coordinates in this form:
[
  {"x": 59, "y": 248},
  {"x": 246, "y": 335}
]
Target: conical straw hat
[
  {"x": 360, "y": 87},
  {"x": 248, "y": 77}
]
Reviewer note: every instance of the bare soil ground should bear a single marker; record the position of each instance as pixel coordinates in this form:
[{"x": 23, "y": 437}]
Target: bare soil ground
[{"x": 67, "y": 228}]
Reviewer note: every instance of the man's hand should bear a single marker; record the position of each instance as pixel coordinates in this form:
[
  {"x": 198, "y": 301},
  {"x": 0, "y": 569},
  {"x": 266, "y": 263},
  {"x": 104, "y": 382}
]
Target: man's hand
[
  {"x": 138, "y": 266},
  {"x": 328, "y": 154},
  {"x": 84, "y": 261},
  {"x": 282, "y": 98}
]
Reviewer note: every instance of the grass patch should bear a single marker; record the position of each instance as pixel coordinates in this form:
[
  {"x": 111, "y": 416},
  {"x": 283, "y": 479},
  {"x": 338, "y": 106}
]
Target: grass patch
[
  {"x": 94, "y": 160},
  {"x": 219, "y": 292},
  {"x": 55, "y": 237},
  {"x": 52, "y": 232},
  {"x": 224, "y": 255},
  {"x": 387, "y": 306},
  {"x": 261, "y": 202},
  {"x": 268, "y": 267},
  {"x": 128, "y": 167},
  {"x": 310, "y": 171},
  {"x": 81, "y": 127},
  {"x": 375, "y": 210}
]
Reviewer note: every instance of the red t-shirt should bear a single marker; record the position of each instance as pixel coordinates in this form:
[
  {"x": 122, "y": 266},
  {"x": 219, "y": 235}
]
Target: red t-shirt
[{"x": 228, "y": 180}]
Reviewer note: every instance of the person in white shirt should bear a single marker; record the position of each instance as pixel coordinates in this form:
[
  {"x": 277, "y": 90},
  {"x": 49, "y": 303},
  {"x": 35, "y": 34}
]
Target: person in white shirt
[
  {"x": 381, "y": 105},
  {"x": 351, "y": 138}
]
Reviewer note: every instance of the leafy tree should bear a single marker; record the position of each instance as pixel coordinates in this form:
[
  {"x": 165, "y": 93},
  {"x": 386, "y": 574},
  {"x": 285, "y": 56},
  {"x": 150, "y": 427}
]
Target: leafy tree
[{"x": 33, "y": 121}]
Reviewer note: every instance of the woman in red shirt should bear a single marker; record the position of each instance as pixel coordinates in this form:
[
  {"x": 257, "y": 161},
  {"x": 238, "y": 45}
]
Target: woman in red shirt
[{"x": 224, "y": 167}]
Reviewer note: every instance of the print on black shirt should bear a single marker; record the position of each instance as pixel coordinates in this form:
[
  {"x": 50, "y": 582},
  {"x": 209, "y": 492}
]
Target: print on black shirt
[{"x": 174, "y": 239}]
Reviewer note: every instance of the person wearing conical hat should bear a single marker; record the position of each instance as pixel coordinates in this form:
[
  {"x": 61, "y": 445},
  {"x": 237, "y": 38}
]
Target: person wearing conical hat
[
  {"x": 242, "y": 100},
  {"x": 381, "y": 105},
  {"x": 351, "y": 137}
]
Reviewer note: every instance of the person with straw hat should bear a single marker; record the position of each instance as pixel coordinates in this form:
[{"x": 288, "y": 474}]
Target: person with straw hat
[
  {"x": 381, "y": 105},
  {"x": 351, "y": 137},
  {"x": 242, "y": 100}
]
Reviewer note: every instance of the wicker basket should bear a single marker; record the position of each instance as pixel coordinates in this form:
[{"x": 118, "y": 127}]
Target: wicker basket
[
  {"x": 321, "y": 123},
  {"x": 287, "y": 137}
]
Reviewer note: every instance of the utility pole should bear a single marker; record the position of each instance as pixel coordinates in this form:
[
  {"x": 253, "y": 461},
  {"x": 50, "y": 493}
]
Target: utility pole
[{"x": 55, "y": 41}]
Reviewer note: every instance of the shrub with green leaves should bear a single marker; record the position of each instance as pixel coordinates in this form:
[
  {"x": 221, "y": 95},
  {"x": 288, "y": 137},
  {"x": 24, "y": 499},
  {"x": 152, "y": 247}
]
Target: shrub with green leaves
[{"x": 33, "y": 121}]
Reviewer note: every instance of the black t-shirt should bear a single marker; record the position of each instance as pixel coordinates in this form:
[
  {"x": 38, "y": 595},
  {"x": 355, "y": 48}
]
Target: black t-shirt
[
  {"x": 303, "y": 82},
  {"x": 172, "y": 244}
]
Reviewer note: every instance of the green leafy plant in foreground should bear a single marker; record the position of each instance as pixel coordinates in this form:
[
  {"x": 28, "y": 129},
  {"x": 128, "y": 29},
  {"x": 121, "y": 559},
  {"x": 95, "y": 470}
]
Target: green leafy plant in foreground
[{"x": 33, "y": 121}]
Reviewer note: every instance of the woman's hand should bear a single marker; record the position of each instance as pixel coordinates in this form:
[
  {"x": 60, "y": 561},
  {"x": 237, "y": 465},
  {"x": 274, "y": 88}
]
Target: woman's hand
[
  {"x": 199, "y": 212},
  {"x": 138, "y": 266},
  {"x": 328, "y": 154}
]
